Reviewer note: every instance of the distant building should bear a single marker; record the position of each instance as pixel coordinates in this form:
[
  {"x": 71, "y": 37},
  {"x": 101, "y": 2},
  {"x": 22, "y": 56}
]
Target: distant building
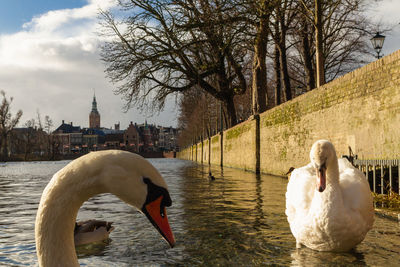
[
  {"x": 132, "y": 138},
  {"x": 94, "y": 116},
  {"x": 168, "y": 139},
  {"x": 67, "y": 138},
  {"x": 114, "y": 141},
  {"x": 144, "y": 138},
  {"x": 67, "y": 128},
  {"x": 92, "y": 139}
]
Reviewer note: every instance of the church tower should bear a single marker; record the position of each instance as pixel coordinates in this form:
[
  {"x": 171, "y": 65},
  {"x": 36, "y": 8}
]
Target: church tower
[{"x": 94, "y": 117}]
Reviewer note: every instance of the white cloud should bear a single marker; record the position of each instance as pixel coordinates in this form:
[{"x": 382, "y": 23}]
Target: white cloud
[{"x": 53, "y": 65}]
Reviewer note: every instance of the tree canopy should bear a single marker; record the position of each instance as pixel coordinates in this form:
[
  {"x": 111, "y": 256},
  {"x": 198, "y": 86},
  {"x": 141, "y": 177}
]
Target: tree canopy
[{"x": 247, "y": 55}]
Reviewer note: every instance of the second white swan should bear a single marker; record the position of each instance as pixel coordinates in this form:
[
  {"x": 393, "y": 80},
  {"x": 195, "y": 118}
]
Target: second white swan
[{"x": 328, "y": 202}]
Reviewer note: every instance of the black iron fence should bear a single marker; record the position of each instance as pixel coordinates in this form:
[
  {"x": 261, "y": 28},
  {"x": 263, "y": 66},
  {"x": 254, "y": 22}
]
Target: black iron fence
[{"x": 382, "y": 175}]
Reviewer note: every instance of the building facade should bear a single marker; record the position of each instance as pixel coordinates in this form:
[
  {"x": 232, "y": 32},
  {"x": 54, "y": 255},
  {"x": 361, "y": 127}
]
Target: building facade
[{"x": 132, "y": 138}]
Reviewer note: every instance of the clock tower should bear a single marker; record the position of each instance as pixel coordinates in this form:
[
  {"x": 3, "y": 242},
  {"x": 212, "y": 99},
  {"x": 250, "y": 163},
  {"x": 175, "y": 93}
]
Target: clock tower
[{"x": 94, "y": 116}]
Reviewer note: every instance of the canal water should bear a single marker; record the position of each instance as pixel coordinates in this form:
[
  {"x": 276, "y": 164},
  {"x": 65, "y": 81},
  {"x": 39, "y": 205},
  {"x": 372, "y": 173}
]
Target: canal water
[{"x": 236, "y": 220}]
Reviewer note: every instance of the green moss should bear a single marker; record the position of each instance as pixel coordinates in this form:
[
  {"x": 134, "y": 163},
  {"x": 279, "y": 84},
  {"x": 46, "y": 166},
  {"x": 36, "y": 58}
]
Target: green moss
[
  {"x": 282, "y": 115},
  {"x": 283, "y": 153},
  {"x": 228, "y": 147},
  {"x": 214, "y": 139},
  {"x": 237, "y": 131}
]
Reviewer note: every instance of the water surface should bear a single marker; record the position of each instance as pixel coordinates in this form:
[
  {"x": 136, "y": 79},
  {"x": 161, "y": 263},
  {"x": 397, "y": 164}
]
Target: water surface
[{"x": 236, "y": 220}]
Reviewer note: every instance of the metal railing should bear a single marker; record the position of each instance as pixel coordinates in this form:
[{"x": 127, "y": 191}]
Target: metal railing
[{"x": 382, "y": 175}]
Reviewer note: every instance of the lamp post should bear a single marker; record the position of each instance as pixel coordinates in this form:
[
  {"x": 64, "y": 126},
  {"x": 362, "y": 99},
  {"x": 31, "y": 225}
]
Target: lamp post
[{"x": 377, "y": 44}]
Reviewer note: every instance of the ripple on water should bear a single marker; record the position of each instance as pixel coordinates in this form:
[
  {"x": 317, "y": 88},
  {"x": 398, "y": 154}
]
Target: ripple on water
[{"x": 236, "y": 220}]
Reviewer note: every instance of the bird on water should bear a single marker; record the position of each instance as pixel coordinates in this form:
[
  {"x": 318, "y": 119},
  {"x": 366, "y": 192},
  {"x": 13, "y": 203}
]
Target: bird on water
[
  {"x": 127, "y": 175},
  {"x": 329, "y": 205}
]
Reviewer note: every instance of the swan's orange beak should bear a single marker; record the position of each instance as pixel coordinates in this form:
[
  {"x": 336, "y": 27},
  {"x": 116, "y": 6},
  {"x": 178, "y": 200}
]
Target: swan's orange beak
[
  {"x": 158, "y": 217},
  {"x": 321, "y": 181}
]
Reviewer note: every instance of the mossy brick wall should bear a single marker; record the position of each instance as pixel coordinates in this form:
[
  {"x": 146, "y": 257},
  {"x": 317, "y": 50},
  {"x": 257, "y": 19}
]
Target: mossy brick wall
[
  {"x": 239, "y": 146},
  {"x": 205, "y": 151},
  {"x": 360, "y": 109},
  {"x": 199, "y": 152},
  {"x": 216, "y": 149}
]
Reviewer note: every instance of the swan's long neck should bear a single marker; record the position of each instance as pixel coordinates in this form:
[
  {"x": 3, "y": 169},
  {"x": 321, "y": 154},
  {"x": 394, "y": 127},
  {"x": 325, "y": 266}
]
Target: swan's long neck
[
  {"x": 329, "y": 200},
  {"x": 56, "y": 218}
]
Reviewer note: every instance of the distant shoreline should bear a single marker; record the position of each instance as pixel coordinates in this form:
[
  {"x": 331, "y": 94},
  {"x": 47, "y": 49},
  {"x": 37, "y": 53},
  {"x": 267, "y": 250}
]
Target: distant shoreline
[{"x": 31, "y": 158}]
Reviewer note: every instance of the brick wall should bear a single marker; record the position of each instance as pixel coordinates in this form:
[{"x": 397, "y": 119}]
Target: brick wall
[{"x": 360, "y": 109}]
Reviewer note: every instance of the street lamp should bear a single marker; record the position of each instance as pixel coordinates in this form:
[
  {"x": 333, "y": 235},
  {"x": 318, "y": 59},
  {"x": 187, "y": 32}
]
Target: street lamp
[{"x": 377, "y": 43}]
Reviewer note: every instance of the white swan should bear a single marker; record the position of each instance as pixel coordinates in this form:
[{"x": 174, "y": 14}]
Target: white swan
[
  {"x": 126, "y": 175},
  {"x": 328, "y": 202}
]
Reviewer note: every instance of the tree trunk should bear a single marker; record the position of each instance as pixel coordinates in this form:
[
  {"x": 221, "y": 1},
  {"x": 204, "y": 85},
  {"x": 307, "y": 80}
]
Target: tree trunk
[
  {"x": 231, "y": 111},
  {"x": 259, "y": 86},
  {"x": 26, "y": 153},
  {"x": 307, "y": 56},
  {"x": 4, "y": 147},
  {"x": 320, "y": 60},
  {"x": 287, "y": 92},
  {"x": 278, "y": 85}
]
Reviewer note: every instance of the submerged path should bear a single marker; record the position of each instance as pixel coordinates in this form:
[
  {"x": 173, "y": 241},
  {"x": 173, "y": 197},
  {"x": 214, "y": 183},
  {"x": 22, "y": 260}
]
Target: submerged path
[{"x": 238, "y": 219}]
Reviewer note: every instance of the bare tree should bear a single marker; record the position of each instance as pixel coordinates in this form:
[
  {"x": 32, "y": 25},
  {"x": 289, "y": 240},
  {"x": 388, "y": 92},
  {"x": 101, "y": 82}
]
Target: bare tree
[
  {"x": 305, "y": 29},
  {"x": 263, "y": 10},
  {"x": 30, "y": 137},
  {"x": 319, "y": 54},
  {"x": 48, "y": 124},
  {"x": 38, "y": 121},
  {"x": 7, "y": 123},
  {"x": 340, "y": 42},
  {"x": 167, "y": 47}
]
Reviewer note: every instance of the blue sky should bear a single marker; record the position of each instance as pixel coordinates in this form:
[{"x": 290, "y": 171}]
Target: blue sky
[
  {"x": 14, "y": 13},
  {"x": 49, "y": 60}
]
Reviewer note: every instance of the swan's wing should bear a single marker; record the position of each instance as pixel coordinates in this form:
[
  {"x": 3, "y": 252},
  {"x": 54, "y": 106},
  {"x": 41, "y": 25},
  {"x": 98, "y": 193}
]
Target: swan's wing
[
  {"x": 300, "y": 191},
  {"x": 356, "y": 192}
]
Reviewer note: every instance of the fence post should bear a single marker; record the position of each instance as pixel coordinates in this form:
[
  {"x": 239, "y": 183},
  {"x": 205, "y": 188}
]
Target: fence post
[
  {"x": 258, "y": 156},
  {"x": 374, "y": 176},
  {"x": 221, "y": 136},
  {"x": 390, "y": 178},
  {"x": 382, "y": 182}
]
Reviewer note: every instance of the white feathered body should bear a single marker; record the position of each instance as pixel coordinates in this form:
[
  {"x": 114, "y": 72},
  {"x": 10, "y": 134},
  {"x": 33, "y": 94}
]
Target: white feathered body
[{"x": 336, "y": 219}]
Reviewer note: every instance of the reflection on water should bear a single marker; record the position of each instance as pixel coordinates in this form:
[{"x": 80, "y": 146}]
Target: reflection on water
[{"x": 236, "y": 220}]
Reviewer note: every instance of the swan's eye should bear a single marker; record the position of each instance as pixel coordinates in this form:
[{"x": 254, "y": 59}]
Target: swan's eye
[
  {"x": 322, "y": 167},
  {"x": 154, "y": 192},
  {"x": 162, "y": 211}
]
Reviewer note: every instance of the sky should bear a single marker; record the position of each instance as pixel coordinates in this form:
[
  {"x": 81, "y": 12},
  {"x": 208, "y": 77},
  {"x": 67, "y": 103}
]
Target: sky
[{"x": 49, "y": 61}]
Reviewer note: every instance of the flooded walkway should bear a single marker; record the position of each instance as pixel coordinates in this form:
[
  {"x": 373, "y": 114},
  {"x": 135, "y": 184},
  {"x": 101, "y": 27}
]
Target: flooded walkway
[{"x": 236, "y": 220}]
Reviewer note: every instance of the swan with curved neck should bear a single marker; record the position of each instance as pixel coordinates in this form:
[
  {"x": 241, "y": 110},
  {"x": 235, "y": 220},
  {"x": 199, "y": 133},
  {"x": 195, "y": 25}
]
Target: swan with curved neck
[
  {"x": 126, "y": 175},
  {"x": 328, "y": 202}
]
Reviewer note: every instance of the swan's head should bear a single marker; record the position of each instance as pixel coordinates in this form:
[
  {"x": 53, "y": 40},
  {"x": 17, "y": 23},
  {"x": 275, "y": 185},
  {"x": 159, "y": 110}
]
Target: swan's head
[
  {"x": 322, "y": 154},
  {"x": 137, "y": 182}
]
